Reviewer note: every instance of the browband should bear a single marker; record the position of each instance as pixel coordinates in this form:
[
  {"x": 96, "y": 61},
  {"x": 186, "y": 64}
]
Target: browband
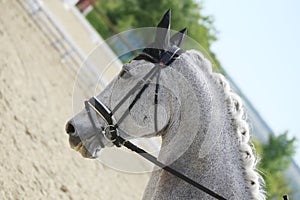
[{"x": 166, "y": 59}]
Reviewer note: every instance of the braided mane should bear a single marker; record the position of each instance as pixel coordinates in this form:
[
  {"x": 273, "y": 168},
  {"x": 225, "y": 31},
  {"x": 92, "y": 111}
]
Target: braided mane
[{"x": 242, "y": 130}]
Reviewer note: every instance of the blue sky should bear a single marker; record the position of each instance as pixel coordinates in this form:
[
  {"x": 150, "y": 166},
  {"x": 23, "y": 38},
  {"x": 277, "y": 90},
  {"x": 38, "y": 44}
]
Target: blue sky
[{"x": 259, "y": 46}]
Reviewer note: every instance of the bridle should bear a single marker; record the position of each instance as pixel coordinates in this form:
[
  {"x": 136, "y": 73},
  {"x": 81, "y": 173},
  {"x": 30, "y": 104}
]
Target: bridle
[{"x": 111, "y": 130}]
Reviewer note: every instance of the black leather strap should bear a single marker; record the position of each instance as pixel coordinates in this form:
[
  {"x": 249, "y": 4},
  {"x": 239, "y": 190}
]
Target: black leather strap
[
  {"x": 165, "y": 59},
  {"x": 107, "y": 116},
  {"x": 174, "y": 172},
  {"x": 168, "y": 57}
]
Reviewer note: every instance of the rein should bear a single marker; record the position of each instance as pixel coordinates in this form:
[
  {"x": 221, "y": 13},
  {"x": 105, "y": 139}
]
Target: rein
[{"x": 111, "y": 131}]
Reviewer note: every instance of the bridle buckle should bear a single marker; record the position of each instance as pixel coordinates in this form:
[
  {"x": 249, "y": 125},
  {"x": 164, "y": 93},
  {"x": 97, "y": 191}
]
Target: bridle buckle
[{"x": 110, "y": 133}]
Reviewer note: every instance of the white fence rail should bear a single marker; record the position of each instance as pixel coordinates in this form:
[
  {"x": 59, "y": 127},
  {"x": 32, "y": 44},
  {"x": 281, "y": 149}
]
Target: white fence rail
[
  {"x": 53, "y": 32},
  {"x": 60, "y": 40}
]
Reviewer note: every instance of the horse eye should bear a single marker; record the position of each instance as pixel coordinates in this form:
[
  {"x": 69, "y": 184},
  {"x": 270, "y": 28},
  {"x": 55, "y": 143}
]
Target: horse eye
[{"x": 125, "y": 74}]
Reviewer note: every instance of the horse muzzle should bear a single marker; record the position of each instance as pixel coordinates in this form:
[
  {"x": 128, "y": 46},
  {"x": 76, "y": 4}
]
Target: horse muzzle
[{"x": 76, "y": 143}]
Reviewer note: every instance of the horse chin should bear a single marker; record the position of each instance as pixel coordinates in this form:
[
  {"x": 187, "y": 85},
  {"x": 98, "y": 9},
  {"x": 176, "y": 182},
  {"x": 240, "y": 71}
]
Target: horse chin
[{"x": 87, "y": 154}]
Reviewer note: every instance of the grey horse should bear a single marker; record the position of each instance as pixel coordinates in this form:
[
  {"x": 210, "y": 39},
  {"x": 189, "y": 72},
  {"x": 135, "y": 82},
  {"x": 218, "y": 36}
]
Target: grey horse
[{"x": 200, "y": 120}]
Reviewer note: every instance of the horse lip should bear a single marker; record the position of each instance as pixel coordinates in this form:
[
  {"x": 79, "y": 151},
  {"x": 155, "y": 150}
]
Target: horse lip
[
  {"x": 80, "y": 147},
  {"x": 77, "y": 148},
  {"x": 75, "y": 141}
]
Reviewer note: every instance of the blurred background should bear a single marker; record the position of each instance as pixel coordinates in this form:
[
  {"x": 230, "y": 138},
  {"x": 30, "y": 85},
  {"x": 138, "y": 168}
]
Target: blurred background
[{"x": 254, "y": 44}]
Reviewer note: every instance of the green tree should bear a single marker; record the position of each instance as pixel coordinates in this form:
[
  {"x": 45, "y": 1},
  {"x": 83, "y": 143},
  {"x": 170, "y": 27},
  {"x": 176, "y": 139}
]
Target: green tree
[
  {"x": 110, "y": 17},
  {"x": 276, "y": 158}
]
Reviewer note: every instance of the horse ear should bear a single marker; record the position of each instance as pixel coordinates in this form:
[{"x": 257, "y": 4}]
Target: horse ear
[
  {"x": 162, "y": 38},
  {"x": 178, "y": 38}
]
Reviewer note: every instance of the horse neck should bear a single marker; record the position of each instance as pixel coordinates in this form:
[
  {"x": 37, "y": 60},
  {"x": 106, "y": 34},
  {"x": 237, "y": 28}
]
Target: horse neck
[{"x": 213, "y": 158}]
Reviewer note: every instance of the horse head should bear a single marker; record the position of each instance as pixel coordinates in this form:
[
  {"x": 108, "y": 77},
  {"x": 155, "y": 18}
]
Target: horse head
[{"x": 136, "y": 101}]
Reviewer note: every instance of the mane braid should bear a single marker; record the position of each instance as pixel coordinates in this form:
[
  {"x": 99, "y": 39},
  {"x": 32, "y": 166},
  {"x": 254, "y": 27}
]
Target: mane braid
[{"x": 242, "y": 131}]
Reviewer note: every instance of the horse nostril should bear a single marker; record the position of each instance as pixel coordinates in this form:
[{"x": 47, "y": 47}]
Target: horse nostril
[{"x": 70, "y": 129}]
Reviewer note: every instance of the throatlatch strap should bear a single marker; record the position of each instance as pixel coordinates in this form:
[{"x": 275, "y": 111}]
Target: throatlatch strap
[{"x": 137, "y": 86}]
